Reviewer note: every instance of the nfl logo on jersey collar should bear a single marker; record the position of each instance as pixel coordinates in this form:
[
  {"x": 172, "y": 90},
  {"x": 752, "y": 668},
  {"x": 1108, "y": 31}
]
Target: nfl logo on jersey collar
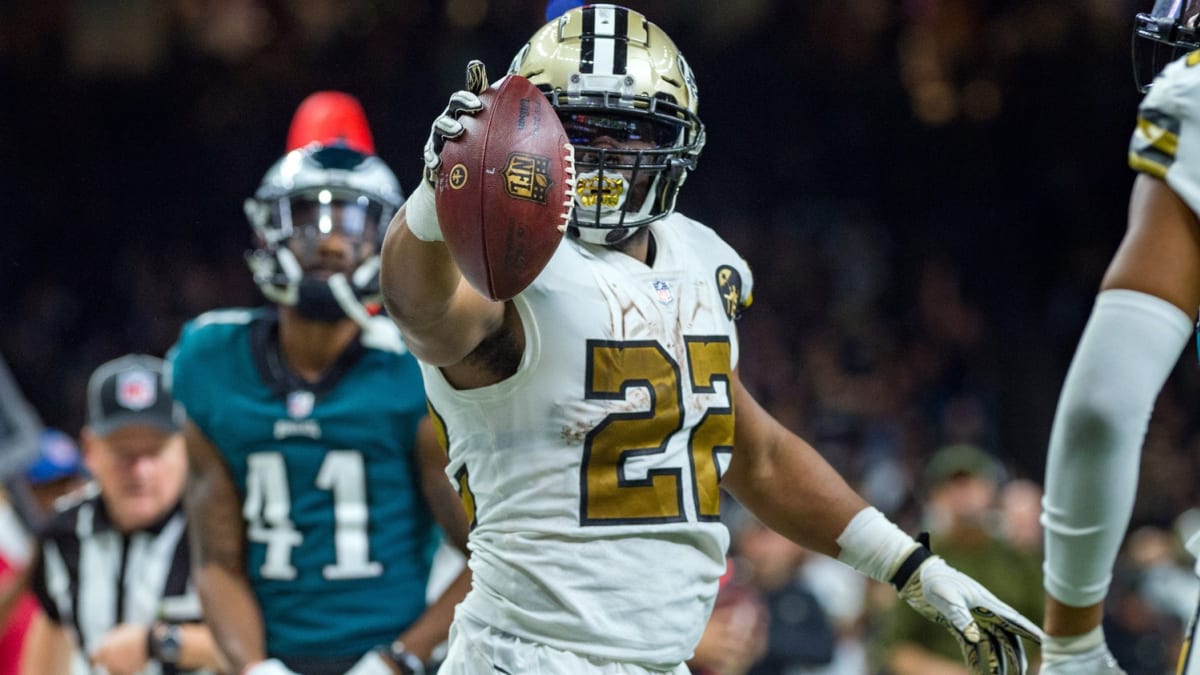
[
  {"x": 300, "y": 404},
  {"x": 662, "y": 290}
]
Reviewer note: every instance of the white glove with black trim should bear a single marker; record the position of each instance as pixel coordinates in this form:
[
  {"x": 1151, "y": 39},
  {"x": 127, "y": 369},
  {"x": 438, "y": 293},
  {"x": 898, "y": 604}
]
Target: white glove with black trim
[
  {"x": 421, "y": 207},
  {"x": 987, "y": 629},
  {"x": 1081, "y": 655}
]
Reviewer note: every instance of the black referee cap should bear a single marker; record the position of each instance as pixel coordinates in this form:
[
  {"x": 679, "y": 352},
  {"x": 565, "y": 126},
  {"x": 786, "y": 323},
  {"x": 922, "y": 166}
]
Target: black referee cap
[{"x": 129, "y": 390}]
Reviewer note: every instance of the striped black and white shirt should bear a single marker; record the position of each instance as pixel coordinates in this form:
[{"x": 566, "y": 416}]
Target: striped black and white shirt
[{"x": 89, "y": 577}]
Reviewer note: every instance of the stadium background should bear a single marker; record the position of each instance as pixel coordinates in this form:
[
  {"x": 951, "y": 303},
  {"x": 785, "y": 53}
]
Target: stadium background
[
  {"x": 927, "y": 190},
  {"x": 856, "y": 149}
]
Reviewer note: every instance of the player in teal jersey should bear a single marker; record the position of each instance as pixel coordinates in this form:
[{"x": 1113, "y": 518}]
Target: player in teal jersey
[{"x": 317, "y": 476}]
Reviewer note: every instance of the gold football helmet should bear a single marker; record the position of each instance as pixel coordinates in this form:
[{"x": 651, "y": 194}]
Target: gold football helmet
[{"x": 628, "y": 101}]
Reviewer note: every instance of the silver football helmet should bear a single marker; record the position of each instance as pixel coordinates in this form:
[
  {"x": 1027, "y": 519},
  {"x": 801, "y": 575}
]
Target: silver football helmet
[
  {"x": 308, "y": 195},
  {"x": 627, "y": 100},
  {"x": 1164, "y": 34}
]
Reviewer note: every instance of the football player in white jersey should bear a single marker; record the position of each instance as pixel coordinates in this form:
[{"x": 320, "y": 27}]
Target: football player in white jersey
[
  {"x": 590, "y": 419},
  {"x": 1141, "y": 321}
]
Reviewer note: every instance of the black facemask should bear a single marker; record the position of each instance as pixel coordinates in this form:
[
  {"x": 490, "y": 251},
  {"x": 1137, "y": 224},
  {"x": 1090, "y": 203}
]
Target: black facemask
[{"x": 316, "y": 302}]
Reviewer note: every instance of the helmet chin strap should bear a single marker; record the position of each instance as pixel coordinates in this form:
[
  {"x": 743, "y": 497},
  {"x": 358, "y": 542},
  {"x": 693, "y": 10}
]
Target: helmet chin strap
[
  {"x": 266, "y": 269},
  {"x": 377, "y": 331},
  {"x": 348, "y": 300},
  {"x": 365, "y": 281}
]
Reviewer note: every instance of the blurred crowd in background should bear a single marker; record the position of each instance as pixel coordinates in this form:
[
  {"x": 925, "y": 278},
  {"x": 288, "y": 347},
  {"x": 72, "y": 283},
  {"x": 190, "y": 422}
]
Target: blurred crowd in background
[{"x": 927, "y": 191}]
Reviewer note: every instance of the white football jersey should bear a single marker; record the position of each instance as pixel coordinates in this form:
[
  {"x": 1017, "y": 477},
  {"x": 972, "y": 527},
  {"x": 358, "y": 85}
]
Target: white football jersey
[
  {"x": 1166, "y": 142},
  {"x": 591, "y": 475}
]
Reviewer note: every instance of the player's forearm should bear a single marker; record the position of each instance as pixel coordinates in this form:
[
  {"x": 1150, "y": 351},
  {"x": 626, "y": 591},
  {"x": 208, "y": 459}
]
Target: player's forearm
[
  {"x": 433, "y": 627},
  {"x": 232, "y": 614},
  {"x": 217, "y": 534},
  {"x": 442, "y": 318},
  {"x": 230, "y": 608},
  {"x": 786, "y": 483},
  {"x": 418, "y": 278},
  {"x": 800, "y": 496}
]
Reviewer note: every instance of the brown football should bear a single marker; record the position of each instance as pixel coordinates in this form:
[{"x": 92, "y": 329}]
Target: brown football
[{"x": 505, "y": 189}]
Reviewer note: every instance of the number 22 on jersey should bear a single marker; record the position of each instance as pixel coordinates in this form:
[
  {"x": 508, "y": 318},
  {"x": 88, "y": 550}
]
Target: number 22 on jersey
[
  {"x": 268, "y": 505},
  {"x": 618, "y": 371}
]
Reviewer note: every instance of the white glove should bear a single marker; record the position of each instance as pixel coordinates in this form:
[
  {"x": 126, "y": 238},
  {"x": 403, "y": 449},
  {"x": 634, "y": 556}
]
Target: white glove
[
  {"x": 421, "y": 207},
  {"x": 987, "y": 629},
  {"x": 371, "y": 663},
  {"x": 1083, "y": 655},
  {"x": 269, "y": 667}
]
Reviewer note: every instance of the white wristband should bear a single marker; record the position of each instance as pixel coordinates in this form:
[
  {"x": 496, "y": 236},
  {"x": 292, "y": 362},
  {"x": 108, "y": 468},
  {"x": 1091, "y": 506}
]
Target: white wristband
[
  {"x": 874, "y": 545},
  {"x": 420, "y": 213}
]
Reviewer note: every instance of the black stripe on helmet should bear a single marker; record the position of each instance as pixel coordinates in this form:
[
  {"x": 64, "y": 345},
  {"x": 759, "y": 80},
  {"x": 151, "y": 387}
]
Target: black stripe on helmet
[
  {"x": 587, "y": 47},
  {"x": 621, "y": 38}
]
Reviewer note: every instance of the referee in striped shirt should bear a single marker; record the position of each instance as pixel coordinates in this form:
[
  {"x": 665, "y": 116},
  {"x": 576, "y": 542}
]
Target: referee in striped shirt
[{"x": 112, "y": 566}]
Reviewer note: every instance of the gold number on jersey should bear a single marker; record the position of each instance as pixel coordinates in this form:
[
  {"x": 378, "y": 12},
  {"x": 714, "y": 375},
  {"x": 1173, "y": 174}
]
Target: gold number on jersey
[
  {"x": 644, "y": 374},
  {"x": 625, "y": 371},
  {"x": 708, "y": 361}
]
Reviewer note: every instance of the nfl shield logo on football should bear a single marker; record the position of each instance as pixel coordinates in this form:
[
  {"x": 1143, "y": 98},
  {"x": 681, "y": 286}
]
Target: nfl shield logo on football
[
  {"x": 663, "y": 291},
  {"x": 136, "y": 389},
  {"x": 300, "y": 404}
]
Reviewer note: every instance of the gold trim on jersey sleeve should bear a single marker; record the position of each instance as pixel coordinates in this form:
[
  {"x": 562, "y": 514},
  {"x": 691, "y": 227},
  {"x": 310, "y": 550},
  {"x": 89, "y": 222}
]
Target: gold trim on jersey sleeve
[
  {"x": 1147, "y": 166},
  {"x": 1158, "y": 137},
  {"x": 1154, "y": 143}
]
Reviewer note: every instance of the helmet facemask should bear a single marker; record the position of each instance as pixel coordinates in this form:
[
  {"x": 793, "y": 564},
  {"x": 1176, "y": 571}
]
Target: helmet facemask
[
  {"x": 627, "y": 100},
  {"x": 1163, "y": 35},
  {"x": 629, "y": 163},
  {"x": 308, "y": 198}
]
